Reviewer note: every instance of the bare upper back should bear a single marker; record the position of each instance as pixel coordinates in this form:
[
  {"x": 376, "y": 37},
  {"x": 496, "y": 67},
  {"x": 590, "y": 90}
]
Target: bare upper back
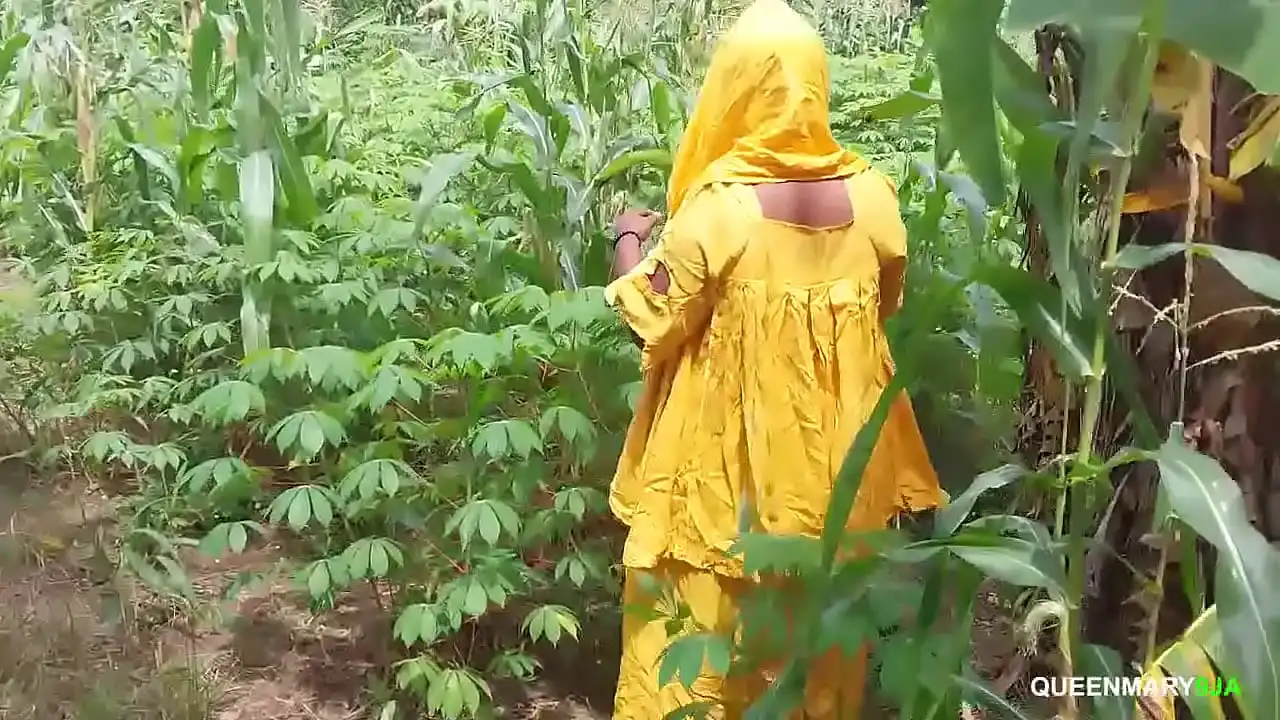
[{"x": 816, "y": 204}]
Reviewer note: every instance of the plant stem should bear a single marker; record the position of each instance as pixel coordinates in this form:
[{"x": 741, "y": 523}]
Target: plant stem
[
  {"x": 1132, "y": 115},
  {"x": 1149, "y": 656},
  {"x": 1131, "y": 126}
]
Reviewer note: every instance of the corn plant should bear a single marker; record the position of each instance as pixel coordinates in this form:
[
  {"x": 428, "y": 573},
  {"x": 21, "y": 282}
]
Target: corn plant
[{"x": 278, "y": 321}]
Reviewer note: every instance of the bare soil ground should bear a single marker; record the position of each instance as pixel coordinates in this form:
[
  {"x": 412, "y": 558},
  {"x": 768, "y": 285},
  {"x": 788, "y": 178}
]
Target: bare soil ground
[{"x": 76, "y": 644}]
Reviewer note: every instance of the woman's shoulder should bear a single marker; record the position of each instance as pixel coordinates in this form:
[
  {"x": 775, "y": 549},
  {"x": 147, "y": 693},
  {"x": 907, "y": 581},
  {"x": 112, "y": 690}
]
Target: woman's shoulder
[
  {"x": 715, "y": 206},
  {"x": 719, "y": 196},
  {"x": 874, "y": 183}
]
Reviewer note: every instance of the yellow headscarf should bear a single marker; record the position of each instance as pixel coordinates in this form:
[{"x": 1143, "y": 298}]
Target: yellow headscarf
[{"x": 763, "y": 113}]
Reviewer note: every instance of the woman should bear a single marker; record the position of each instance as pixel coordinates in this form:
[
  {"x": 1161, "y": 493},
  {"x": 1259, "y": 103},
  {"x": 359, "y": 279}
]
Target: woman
[{"x": 761, "y": 314}]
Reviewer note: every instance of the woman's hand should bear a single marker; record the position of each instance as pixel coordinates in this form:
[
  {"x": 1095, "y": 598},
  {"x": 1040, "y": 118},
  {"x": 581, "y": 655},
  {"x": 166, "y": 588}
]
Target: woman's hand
[
  {"x": 640, "y": 222},
  {"x": 631, "y": 229},
  {"x": 627, "y": 253}
]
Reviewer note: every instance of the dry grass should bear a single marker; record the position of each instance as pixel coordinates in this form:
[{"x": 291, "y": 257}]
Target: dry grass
[
  {"x": 59, "y": 657},
  {"x": 58, "y": 660},
  {"x": 77, "y": 641}
]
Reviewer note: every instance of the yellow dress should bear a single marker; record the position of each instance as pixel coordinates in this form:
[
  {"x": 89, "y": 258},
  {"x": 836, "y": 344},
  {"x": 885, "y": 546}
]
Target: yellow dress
[{"x": 761, "y": 361}]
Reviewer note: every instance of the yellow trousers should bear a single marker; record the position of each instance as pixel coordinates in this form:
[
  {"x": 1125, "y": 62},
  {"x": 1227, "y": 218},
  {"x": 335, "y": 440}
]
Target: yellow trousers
[{"x": 834, "y": 688}]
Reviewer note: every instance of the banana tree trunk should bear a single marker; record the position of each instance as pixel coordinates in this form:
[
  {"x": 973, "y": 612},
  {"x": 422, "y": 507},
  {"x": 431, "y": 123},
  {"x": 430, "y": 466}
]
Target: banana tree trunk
[{"x": 1233, "y": 375}]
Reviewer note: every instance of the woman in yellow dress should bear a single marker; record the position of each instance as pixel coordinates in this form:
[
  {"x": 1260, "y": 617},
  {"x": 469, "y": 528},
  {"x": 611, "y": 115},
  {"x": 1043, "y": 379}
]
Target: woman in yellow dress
[{"x": 761, "y": 311}]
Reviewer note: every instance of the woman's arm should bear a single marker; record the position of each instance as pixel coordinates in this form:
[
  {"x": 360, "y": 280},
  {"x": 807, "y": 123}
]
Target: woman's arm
[
  {"x": 631, "y": 230},
  {"x": 879, "y": 207},
  {"x": 667, "y": 295}
]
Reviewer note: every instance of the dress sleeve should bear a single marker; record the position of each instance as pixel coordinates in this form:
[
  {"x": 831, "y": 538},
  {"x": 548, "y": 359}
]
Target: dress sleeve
[
  {"x": 697, "y": 248},
  {"x": 879, "y": 207}
]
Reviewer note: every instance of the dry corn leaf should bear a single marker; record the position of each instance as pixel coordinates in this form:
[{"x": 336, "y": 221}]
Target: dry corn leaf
[
  {"x": 1195, "y": 131},
  {"x": 1175, "y": 79},
  {"x": 1182, "y": 85},
  {"x": 1171, "y": 190},
  {"x": 1154, "y": 199},
  {"x": 1252, "y": 147}
]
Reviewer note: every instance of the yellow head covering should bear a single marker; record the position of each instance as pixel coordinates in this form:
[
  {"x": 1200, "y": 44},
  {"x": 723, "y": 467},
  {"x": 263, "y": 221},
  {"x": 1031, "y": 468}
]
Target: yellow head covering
[{"x": 763, "y": 114}]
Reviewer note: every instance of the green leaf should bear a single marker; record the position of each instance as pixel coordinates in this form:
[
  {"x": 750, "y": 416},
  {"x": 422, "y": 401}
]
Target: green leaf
[
  {"x": 1203, "y": 496},
  {"x": 13, "y": 45},
  {"x": 158, "y": 162},
  {"x": 572, "y": 424},
  {"x": 488, "y": 518},
  {"x": 228, "y": 402},
  {"x": 1015, "y": 561},
  {"x": 489, "y": 527},
  {"x": 1020, "y": 90},
  {"x": 962, "y": 188},
  {"x": 293, "y": 173},
  {"x": 573, "y": 567},
  {"x": 572, "y": 500},
  {"x": 106, "y": 445},
  {"x": 380, "y": 476},
  {"x": 219, "y": 472},
  {"x": 324, "y": 577},
  {"x": 257, "y": 205},
  {"x": 1243, "y": 36},
  {"x": 257, "y": 211},
  {"x": 1257, "y": 271},
  {"x": 300, "y": 505},
  {"x": 466, "y": 350},
  {"x": 388, "y": 300},
  {"x": 307, "y": 432},
  {"x": 763, "y": 553},
  {"x": 453, "y": 692},
  {"x": 953, "y": 514},
  {"x": 684, "y": 659},
  {"x": 1021, "y": 527},
  {"x": 229, "y": 535},
  {"x": 905, "y": 105},
  {"x": 333, "y": 367},
  {"x": 849, "y": 479},
  {"x": 962, "y": 34},
  {"x": 550, "y": 622},
  {"x": 418, "y": 623},
  {"x": 371, "y": 557},
  {"x": 1139, "y": 257},
  {"x": 536, "y": 129},
  {"x": 476, "y": 600},
  {"x": 393, "y": 382},
  {"x": 491, "y": 123},
  {"x": 205, "y": 42},
  {"x": 1103, "y": 662},
  {"x": 444, "y": 168},
  {"x": 1193, "y": 655},
  {"x": 655, "y": 157},
  {"x": 1041, "y": 309},
  {"x": 506, "y": 438}
]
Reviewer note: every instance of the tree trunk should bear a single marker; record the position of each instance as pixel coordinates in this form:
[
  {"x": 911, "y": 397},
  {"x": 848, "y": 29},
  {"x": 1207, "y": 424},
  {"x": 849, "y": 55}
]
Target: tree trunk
[{"x": 1233, "y": 375}]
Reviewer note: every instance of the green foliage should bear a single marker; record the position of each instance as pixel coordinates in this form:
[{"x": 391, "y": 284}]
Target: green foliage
[
  {"x": 330, "y": 278},
  {"x": 350, "y": 298}
]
